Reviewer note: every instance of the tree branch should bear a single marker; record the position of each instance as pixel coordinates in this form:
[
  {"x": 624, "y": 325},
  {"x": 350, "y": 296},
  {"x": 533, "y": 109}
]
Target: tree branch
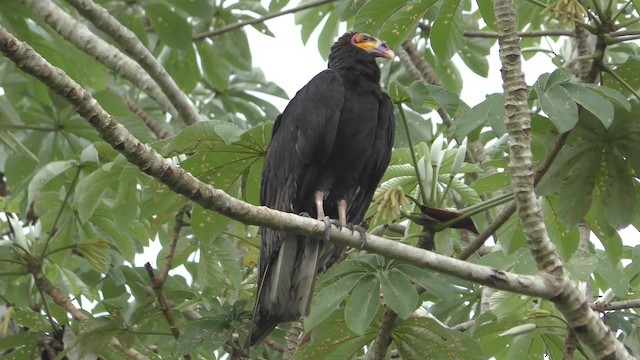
[
  {"x": 182, "y": 182},
  {"x": 130, "y": 43},
  {"x": 569, "y": 300},
  {"x": 212, "y": 33},
  {"x": 79, "y": 35},
  {"x": 380, "y": 346},
  {"x": 494, "y": 35}
]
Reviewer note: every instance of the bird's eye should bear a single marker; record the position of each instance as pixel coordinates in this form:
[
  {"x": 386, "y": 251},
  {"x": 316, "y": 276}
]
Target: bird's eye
[{"x": 364, "y": 38}]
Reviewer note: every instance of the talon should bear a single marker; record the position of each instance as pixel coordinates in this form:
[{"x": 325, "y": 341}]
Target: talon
[
  {"x": 363, "y": 235},
  {"x": 327, "y": 228},
  {"x": 304, "y": 214},
  {"x": 336, "y": 223}
]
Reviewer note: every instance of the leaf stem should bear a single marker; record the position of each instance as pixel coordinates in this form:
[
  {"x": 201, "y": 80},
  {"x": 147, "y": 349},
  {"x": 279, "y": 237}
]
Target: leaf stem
[
  {"x": 59, "y": 215},
  {"x": 616, "y": 76},
  {"x": 414, "y": 157}
]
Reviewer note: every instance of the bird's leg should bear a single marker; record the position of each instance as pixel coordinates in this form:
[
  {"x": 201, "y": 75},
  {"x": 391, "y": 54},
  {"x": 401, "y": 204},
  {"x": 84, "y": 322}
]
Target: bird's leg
[
  {"x": 321, "y": 217},
  {"x": 342, "y": 212}
]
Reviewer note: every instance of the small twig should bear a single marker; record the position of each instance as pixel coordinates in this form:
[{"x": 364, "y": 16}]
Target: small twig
[
  {"x": 259, "y": 20},
  {"x": 156, "y": 128},
  {"x": 175, "y": 236},
  {"x": 531, "y": 33},
  {"x": 157, "y": 284}
]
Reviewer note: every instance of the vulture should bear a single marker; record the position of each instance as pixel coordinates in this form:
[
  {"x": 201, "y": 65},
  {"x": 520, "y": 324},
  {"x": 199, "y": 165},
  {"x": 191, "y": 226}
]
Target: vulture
[{"x": 328, "y": 151}]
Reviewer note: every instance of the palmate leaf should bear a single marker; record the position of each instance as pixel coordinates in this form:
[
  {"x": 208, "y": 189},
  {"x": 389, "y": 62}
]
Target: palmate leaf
[{"x": 423, "y": 338}]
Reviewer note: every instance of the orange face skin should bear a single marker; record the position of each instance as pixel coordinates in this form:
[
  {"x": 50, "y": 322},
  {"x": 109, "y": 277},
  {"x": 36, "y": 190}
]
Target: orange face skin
[{"x": 372, "y": 45}]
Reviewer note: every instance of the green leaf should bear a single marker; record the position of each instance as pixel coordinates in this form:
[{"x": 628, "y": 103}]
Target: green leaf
[
  {"x": 474, "y": 52},
  {"x": 577, "y": 192},
  {"x": 97, "y": 254},
  {"x": 565, "y": 239},
  {"x": 557, "y": 77},
  {"x": 398, "y": 93},
  {"x": 182, "y": 65},
  {"x": 172, "y": 28},
  {"x": 617, "y": 193},
  {"x": 423, "y": 338},
  {"x": 403, "y": 21},
  {"x": 373, "y": 13},
  {"x": 558, "y": 104},
  {"x": 333, "y": 340},
  {"x": 33, "y": 320},
  {"x": 446, "y": 33},
  {"x": 327, "y": 300},
  {"x": 206, "y": 335},
  {"x": 592, "y": 102},
  {"x": 629, "y": 73},
  {"x": 198, "y": 8},
  {"x": 399, "y": 294},
  {"x": 612, "y": 94},
  {"x": 423, "y": 94},
  {"x": 610, "y": 239},
  {"x": 89, "y": 191},
  {"x": 216, "y": 69},
  {"x": 206, "y": 224},
  {"x": 490, "y": 183},
  {"x": 612, "y": 274},
  {"x": 363, "y": 304},
  {"x": 276, "y": 5},
  {"x": 488, "y": 15},
  {"x": 126, "y": 208},
  {"x": 491, "y": 109},
  {"x": 46, "y": 174}
]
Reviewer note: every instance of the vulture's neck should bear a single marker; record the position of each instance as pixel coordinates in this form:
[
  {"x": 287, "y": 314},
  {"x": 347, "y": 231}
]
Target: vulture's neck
[{"x": 352, "y": 68}]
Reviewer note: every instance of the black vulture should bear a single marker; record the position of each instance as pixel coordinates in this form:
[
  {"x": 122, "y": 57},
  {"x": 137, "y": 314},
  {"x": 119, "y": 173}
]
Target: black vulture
[{"x": 328, "y": 151}]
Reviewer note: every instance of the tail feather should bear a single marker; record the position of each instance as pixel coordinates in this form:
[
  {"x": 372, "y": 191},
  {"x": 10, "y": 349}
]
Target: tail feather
[{"x": 286, "y": 287}]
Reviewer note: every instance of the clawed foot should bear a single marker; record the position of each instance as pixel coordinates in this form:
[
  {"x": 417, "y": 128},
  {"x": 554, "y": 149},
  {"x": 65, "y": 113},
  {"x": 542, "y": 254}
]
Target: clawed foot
[
  {"x": 304, "y": 214},
  {"x": 327, "y": 228},
  {"x": 362, "y": 231}
]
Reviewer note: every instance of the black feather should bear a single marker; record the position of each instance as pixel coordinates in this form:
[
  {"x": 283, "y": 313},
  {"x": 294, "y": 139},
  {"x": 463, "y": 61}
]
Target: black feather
[{"x": 335, "y": 136}]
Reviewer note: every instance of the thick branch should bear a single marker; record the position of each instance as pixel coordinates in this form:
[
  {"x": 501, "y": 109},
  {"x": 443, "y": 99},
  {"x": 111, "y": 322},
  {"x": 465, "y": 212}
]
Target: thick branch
[
  {"x": 259, "y": 20},
  {"x": 182, "y": 182},
  {"x": 569, "y": 301},
  {"x": 101, "y": 18},
  {"x": 79, "y": 35},
  {"x": 380, "y": 347}
]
